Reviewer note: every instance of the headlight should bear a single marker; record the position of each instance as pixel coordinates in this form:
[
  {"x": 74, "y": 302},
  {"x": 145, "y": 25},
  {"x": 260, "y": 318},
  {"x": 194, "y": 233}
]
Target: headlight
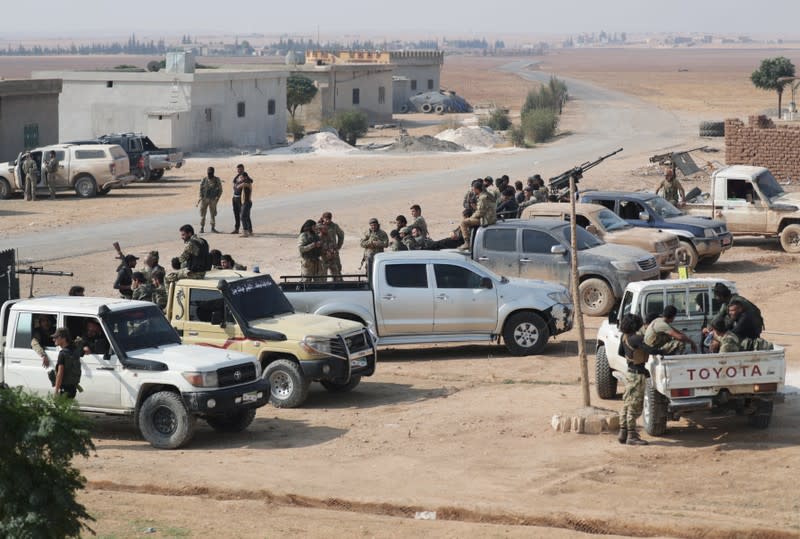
[
  {"x": 201, "y": 379},
  {"x": 560, "y": 297},
  {"x": 709, "y": 232},
  {"x": 624, "y": 265},
  {"x": 317, "y": 345}
]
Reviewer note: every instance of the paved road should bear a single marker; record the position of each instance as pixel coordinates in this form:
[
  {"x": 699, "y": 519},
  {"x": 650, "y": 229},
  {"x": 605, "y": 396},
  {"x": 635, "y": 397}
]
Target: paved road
[{"x": 612, "y": 120}]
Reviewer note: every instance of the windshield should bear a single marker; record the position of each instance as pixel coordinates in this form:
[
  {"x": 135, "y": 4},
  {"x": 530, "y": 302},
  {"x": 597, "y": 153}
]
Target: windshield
[
  {"x": 662, "y": 207},
  {"x": 611, "y": 221},
  {"x": 769, "y": 185},
  {"x": 257, "y": 297},
  {"x": 139, "y": 328},
  {"x": 585, "y": 239}
]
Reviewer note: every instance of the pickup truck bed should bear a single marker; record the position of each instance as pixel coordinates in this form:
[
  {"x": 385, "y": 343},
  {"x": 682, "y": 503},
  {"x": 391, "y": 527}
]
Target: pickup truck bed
[{"x": 295, "y": 283}]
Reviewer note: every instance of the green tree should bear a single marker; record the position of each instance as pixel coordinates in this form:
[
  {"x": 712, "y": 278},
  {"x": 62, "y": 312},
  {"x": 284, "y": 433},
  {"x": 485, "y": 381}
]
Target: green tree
[
  {"x": 766, "y": 77},
  {"x": 351, "y": 125},
  {"x": 38, "y": 484},
  {"x": 300, "y": 91}
]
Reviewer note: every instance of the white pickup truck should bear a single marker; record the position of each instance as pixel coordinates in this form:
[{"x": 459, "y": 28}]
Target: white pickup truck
[
  {"x": 752, "y": 203},
  {"x": 146, "y": 372},
  {"x": 418, "y": 297},
  {"x": 747, "y": 382}
]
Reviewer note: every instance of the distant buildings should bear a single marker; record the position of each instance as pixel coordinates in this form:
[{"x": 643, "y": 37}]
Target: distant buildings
[{"x": 28, "y": 115}]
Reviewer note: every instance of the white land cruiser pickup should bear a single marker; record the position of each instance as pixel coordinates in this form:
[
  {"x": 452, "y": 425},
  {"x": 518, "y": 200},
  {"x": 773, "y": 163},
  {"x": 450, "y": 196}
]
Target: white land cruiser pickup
[
  {"x": 418, "y": 297},
  {"x": 747, "y": 382},
  {"x": 147, "y": 373}
]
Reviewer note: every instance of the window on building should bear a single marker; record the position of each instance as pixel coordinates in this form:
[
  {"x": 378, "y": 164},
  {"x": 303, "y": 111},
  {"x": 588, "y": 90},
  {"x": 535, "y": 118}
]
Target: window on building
[
  {"x": 30, "y": 135},
  {"x": 271, "y": 107},
  {"x": 413, "y": 84},
  {"x": 109, "y": 84},
  {"x": 381, "y": 95},
  {"x": 208, "y": 114},
  {"x": 240, "y": 109},
  {"x": 356, "y": 96},
  {"x": 430, "y": 84}
]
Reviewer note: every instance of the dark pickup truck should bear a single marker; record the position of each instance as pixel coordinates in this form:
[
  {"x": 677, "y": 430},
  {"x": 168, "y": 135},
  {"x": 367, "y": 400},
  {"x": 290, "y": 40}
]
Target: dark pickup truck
[
  {"x": 702, "y": 240},
  {"x": 148, "y": 161}
]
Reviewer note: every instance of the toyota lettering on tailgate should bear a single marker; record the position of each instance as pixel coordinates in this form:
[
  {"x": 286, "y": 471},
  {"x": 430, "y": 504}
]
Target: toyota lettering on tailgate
[{"x": 715, "y": 373}]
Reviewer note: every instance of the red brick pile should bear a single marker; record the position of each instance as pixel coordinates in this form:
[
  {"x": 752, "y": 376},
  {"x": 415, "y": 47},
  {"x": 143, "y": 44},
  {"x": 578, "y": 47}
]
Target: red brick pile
[{"x": 762, "y": 143}]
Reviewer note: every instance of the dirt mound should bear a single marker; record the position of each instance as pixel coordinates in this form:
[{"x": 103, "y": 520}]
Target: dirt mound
[
  {"x": 425, "y": 143},
  {"x": 324, "y": 143},
  {"x": 472, "y": 137}
]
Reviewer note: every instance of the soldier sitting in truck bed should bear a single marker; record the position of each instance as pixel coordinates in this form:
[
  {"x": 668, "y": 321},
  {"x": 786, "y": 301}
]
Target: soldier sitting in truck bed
[{"x": 661, "y": 334}]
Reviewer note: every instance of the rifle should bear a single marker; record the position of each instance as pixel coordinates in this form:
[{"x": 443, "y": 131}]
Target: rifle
[
  {"x": 559, "y": 185},
  {"x": 33, "y": 271}
]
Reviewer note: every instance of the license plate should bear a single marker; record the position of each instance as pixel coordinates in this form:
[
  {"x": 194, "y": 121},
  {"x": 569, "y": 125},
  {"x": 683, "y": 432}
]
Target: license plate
[
  {"x": 360, "y": 362},
  {"x": 250, "y": 397}
]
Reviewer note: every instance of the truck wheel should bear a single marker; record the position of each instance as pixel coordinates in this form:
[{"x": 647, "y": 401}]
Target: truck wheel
[
  {"x": 525, "y": 334},
  {"x": 687, "y": 254},
  {"x": 596, "y": 296},
  {"x": 790, "y": 239},
  {"x": 232, "y": 422},
  {"x": 334, "y": 387},
  {"x": 5, "y": 189},
  {"x": 86, "y": 187},
  {"x": 761, "y": 417},
  {"x": 604, "y": 377},
  {"x": 655, "y": 410},
  {"x": 708, "y": 260},
  {"x": 288, "y": 388},
  {"x": 157, "y": 174},
  {"x": 165, "y": 422}
]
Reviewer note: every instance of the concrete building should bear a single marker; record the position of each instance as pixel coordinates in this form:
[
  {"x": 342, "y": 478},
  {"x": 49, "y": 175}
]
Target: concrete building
[
  {"x": 28, "y": 115},
  {"x": 178, "y": 106}
]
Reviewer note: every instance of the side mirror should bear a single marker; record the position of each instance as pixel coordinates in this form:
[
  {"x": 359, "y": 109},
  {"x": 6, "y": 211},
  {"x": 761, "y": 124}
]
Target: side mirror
[
  {"x": 486, "y": 283},
  {"x": 644, "y": 216},
  {"x": 558, "y": 250},
  {"x": 613, "y": 316},
  {"x": 591, "y": 229},
  {"x": 218, "y": 319}
]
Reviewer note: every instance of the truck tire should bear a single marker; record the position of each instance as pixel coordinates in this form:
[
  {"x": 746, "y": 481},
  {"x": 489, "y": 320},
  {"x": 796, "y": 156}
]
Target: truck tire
[
  {"x": 712, "y": 129},
  {"x": 288, "y": 387},
  {"x": 165, "y": 422},
  {"x": 525, "y": 334},
  {"x": 761, "y": 417},
  {"x": 790, "y": 238},
  {"x": 686, "y": 252},
  {"x": 596, "y": 296},
  {"x": 85, "y": 186},
  {"x": 708, "y": 260},
  {"x": 334, "y": 387},
  {"x": 156, "y": 175},
  {"x": 5, "y": 189},
  {"x": 604, "y": 378},
  {"x": 232, "y": 422},
  {"x": 654, "y": 413}
]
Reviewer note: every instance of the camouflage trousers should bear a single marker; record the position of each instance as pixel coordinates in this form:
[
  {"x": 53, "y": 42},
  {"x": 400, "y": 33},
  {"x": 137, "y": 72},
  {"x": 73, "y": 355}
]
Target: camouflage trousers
[
  {"x": 674, "y": 348},
  {"x": 184, "y": 273},
  {"x": 30, "y": 186},
  {"x": 632, "y": 400},
  {"x": 51, "y": 183},
  {"x": 311, "y": 269},
  {"x": 332, "y": 266}
]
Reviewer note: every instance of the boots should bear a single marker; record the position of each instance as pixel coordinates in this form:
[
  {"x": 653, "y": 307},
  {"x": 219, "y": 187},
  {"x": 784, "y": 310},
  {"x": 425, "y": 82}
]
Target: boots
[
  {"x": 633, "y": 439},
  {"x": 623, "y": 435},
  {"x": 202, "y": 229}
]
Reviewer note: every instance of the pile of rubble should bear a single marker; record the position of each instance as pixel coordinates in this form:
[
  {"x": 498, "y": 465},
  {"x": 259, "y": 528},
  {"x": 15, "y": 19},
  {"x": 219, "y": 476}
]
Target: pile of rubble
[
  {"x": 425, "y": 143},
  {"x": 472, "y": 138}
]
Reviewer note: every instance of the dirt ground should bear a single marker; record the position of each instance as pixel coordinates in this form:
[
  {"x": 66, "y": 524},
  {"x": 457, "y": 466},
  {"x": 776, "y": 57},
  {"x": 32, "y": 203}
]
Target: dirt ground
[{"x": 460, "y": 430}]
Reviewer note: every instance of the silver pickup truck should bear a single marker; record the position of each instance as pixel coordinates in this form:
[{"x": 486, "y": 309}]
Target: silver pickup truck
[{"x": 419, "y": 297}]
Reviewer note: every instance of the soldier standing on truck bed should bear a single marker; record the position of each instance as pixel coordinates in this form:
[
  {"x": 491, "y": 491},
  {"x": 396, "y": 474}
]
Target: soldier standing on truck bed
[
  {"x": 30, "y": 171},
  {"x": 310, "y": 247},
  {"x": 485, "y": 213},
  {"x": 210, "y": 193},
  {"x": 374, "y": 241}
]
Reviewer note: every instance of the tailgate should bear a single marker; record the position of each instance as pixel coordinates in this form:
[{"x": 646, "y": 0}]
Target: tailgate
[{"x": 722, "y": 370}]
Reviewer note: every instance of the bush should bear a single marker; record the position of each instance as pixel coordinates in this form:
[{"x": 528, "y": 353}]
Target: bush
[
  {"x": 539, "y": 125},
  {"x": 351, "y": 125},
  {"x": 497, "y": 119},
  {"x": 38, "y": 484},
  {"x": 517, "y": 135},
  {"x": 296, "y": 129},
  {"x": 552, "y": 96}
]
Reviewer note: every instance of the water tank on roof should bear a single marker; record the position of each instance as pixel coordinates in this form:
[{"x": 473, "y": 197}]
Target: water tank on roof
[{"x": 180, "y": 62}]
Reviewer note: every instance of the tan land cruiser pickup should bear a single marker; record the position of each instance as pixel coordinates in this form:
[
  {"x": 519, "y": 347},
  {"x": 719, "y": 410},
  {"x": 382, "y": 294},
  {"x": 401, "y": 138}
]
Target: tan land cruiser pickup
[
  {"x": 248, "y": 312},
  {"x": 609, "y": 227},
  {"x": 89, "y": 170}
]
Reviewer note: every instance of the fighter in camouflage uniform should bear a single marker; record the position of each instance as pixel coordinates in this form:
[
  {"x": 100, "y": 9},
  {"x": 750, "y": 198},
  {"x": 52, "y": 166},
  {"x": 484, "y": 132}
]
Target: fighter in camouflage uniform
[
  {"x": 374, "y": 241},
  {"x": 660, "y": 334},
  {"x": 31, "y": 172},
  {"x": 191, "y": 250},
  {"x": 51, "y": 169},
  {"x": 332, "y": 240},
  {"x": 142, "y": 290},
  {"x": 159, "y": 290},
  {"x": 672, "y": 188},
  {"x": 485, "y": 213},
  {"x": 636, "y": 352},
  {"x": 210, "y": 193},
  {"x": 310, "y": 247}
]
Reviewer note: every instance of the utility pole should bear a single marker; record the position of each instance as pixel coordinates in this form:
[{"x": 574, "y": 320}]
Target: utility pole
[{"x": 573, "y": 228}]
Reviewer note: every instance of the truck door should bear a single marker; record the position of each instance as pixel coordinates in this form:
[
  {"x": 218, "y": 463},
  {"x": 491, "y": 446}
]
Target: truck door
[
  {"x": 210, "y": 322},
  {"x": 461, "y": 304},
  {"x": 742, "y": 207},
  {"x": 537, "y": 261},
  {"x": 631, "y": 210},
  {"x": 101, "y": 378},
  {"x": 404, "y": 299},
  {"x": 23, "y": 366},
  {"x": 497, "y": 249}
]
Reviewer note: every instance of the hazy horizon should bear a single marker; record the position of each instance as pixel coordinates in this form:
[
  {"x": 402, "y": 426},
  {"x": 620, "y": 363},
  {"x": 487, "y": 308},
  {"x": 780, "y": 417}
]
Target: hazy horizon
[{"x": 423, "y": 20}]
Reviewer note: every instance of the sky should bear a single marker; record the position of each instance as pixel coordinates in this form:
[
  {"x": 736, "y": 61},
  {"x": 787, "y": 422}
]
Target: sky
[{"x": 386, "y": 19}]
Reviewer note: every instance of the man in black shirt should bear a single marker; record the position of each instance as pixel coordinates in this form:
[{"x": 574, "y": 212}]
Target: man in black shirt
[
  {"x": 68, "y": 366},
  {"x": 93, "y": 342},
  {"x": 745, "y": 324}
]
